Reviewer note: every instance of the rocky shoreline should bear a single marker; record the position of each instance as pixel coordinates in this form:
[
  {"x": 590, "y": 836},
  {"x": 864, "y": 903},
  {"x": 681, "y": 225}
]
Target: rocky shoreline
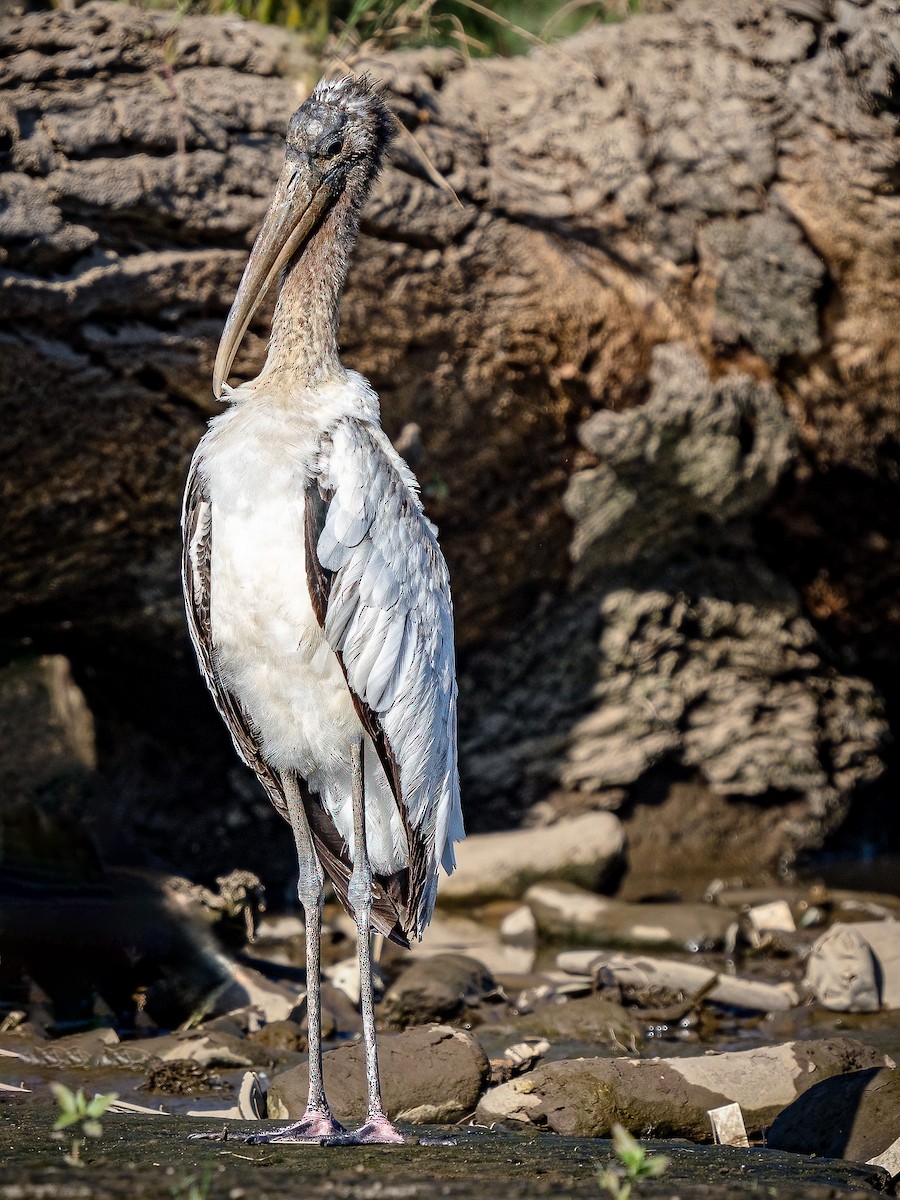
[{"x": 544, "y": 1008}]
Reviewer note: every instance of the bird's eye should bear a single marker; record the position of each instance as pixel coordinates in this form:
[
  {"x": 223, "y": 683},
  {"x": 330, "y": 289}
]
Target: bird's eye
[{"x": 330, "y": 149}]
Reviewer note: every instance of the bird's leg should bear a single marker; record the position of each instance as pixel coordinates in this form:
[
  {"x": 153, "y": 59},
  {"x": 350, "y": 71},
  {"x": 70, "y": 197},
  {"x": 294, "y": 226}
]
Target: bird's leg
[
  {"x": 317, "y": 1123},
  {"x": 377, "y": 1127}
]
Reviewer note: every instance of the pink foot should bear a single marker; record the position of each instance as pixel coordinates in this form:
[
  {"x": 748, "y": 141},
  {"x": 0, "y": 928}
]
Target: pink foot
[
  {"x": 312, "y": 1127},
  {"x": 377, "y": 1131}
]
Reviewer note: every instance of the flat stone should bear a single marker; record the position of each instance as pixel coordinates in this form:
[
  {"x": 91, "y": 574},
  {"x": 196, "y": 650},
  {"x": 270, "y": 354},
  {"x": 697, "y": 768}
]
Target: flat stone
[
  {"x": 565, "y": 911},
  {"x": 429, "y": 1074},
  {"x": 587, "y": 850},
  {"x": 672, "y": 1096},
  {"x": 689, "y": 978},
  {"x": 855, "y": 1116},
  {"x": 436, "y": 988}
]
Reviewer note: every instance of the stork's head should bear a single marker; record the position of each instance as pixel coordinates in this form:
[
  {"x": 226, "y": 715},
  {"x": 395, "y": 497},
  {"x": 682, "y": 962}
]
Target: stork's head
[{"x": 335, "y": 145}]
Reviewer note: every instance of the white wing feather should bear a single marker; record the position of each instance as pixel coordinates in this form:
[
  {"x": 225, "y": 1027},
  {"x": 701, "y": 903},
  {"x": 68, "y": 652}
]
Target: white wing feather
[{"x": 390, "y": 618}]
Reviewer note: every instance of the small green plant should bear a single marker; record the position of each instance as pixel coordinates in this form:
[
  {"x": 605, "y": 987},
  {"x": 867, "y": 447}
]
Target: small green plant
[
  {"x": 76, "y": 1109},
  {"x": 192, "y": 1187},
  {"x": 634, "y": 1164}
]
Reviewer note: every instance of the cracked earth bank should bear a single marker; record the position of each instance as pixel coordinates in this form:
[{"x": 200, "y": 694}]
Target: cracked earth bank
[{"x": 651, "y": 350}]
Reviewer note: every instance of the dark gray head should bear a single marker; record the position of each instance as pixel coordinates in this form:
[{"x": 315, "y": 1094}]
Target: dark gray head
[
  {"x": 336, "y": 142},
  {"x": 343, "y": 129}
]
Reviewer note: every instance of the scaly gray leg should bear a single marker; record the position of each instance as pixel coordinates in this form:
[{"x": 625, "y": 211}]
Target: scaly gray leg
[
  {"x": 377, "y": 1127},
  {"x": 317, "y": 1123}
]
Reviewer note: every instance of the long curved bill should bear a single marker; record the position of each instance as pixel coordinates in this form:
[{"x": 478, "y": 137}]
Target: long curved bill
[{"x": 299, "y": 201}]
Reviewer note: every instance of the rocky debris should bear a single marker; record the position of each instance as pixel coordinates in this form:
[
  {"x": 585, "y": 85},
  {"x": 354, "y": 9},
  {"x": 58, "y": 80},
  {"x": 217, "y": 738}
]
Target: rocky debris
[
  {"x": 640, "y": 978},
  {"x": 586, "y": 850},
  {"x": 429, "y": 1075},
  {"x": 103, "y": 1048},
  {"x": 566, "y": 912},
  {"x": 517, "y": 1059},
  {"x": 442, "y": 987},
  {"x": 585, "y": 1096},
  {"x": 854, "y": 1116},
  {"x": 856, "y": 968},
  {"x": 184, "y": 1077}
]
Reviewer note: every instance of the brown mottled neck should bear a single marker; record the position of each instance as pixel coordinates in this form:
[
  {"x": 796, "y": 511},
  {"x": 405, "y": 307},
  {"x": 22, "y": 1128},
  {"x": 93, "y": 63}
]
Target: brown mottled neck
[{"x": 303, "y": 345}]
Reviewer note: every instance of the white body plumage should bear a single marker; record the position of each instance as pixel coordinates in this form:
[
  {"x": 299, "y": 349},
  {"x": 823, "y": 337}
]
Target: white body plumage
[{"x": 388, "y": 613}]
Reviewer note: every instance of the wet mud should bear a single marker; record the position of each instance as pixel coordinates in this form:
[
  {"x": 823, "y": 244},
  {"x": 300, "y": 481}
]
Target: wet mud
[{"x": 140, "y": 1157}]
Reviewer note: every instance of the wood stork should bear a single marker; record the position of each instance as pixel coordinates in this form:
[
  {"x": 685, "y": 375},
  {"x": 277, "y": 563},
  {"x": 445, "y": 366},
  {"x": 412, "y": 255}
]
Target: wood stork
[{"x": 318, "y": 599}]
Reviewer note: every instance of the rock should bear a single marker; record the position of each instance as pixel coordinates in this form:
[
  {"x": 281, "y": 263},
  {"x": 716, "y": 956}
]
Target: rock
[
  {"x": 638, "y": 973},
  {"x": 564, "y": 911},
  {"x": 431, "y": 1074},
  {"x": 457, "y": 934},
  {"x": 585, "y": 1097},
  {"x": 856, "y": 968},
  {"x": 581, "y": 1019},
  {"x": 776, "y": 915},
  {"x": 436, "y": 988},
  {"x": 46, "y": 730},
  {"x": 586, "y": 850},
  {"x": 519, "y": 928},
  {"x": 249, "y": 987},
  {"x": 854, "y": 1116},
  {"x": 281, "y": 1035}
]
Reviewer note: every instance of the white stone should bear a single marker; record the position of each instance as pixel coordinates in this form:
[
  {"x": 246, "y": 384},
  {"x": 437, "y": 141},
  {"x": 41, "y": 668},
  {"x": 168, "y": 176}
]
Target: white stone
[
  {"x": 519, "y": 928},
  {"x": 889, "y": 1159},
  {"x": 728, "y": 1125},
  {"x": 775, "y": 915}
]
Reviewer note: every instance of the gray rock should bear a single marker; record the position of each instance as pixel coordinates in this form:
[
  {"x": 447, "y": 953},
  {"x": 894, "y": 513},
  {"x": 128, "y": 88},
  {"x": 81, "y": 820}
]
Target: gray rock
[
  {"x": 681, "y": 459},
  {"x": 856, "y": 968},
  {"x": 430, "y": 1074},
  {"x": 672, "y": 1096},
  {"x": 581, "y": 1019},
  {"x": 564, "y": 911},
  {"x": 46, "y": 730},
  {"x": 587, "y": 849},
  {"x": 766, "y": 279},
  {"x": 454, "y": 933},
  {"x": 854, "y": 1116},
  {"x": 436, "y": 988}
]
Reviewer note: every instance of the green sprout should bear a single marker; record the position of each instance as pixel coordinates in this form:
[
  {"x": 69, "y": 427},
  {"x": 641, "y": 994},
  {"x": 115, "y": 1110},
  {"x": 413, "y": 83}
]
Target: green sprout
[
  {"x": 634, "y": 1164},
  {"x": 76, "y": 1109},
  {"x": 191, "y": 1187}
]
